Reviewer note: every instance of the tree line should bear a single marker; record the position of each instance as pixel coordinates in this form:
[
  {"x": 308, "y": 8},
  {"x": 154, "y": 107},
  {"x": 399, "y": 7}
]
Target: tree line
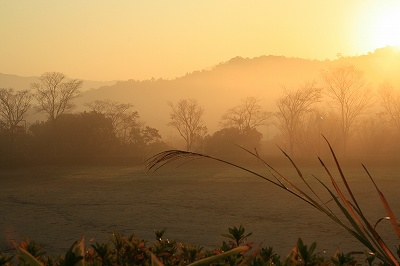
[
  {"x": 110, "y": 131},
  {"x": 337, "y": 108},
  {"x": 357, "y": 119}
]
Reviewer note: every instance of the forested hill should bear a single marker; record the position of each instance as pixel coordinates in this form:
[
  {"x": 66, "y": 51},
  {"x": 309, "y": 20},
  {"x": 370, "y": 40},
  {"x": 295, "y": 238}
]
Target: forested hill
[
  {"x": 224, "y": 85},
  {"x": 216, "y": 89}
]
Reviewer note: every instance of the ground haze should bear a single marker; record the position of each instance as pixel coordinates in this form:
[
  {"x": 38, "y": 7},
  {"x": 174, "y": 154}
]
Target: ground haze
[{"x": 56, "y": 205}]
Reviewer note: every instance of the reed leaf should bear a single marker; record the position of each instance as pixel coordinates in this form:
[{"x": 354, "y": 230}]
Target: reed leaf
[
  {"x": 155, "y": 261},
  {"x": 355, "y": 219},
  {"x": 356, "y": 234},
  {"x": 223, "y": 255},
  {"x": 341, "y": 173},
  {"x": 346, "y": 209},
  {"x": 301, "y": 174},
  {"x": 386, "y": 205},
  {"x": 28, "y": 257},
  {"x": 382, "y": 219},
  {"x": 360, "y": 227}
]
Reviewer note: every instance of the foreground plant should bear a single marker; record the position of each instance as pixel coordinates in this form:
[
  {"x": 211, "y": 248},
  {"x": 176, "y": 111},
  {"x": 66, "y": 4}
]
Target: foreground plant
[
  {"x": 5, "y": 259},
  {"x": 354, "y": 222},
  {"x": 131, "y": 250}
]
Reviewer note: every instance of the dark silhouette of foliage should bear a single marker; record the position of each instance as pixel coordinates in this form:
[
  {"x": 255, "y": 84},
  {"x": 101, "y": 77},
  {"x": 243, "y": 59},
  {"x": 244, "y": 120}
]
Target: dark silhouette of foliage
[
  {"x": 224, "y": 141},
  {"x": 74, "y": 137}
]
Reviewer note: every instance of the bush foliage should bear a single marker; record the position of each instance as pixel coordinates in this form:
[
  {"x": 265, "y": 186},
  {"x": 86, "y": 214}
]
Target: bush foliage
[{"x": 132, "y": 250}]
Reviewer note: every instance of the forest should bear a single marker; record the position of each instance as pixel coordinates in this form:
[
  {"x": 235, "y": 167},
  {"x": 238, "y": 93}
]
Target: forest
[{"x": 358, "y": 118}]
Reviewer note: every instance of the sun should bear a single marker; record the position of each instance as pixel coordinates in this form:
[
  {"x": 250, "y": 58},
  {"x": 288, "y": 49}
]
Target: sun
[
  {"x": 386, "y": 27},
  {"x": 379, "y": 26}
]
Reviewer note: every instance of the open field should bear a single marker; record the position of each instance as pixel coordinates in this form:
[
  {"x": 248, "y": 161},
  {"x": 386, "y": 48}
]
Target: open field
[{"x": 56, "y": 205}]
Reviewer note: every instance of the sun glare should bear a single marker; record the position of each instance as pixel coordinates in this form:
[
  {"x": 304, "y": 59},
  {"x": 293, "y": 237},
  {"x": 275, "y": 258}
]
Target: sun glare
[
  {"x": 379, "y": 27},
  {"x": 383, "y": 26}
]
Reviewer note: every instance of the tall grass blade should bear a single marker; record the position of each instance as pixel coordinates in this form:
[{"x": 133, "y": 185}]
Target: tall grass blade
[
  {"x": 296, "y": 190},
  {"x": 350, "y": 208},
  {"x": 357, "y": 234},
  {"x": 354, "y": 218},
  {"x": 161, "y": 159},
  {"x": 302, "y": 177},
  {"x": 359, "y": 227},
  {"x": 386, "y": 205},
  {"x": 341, "y": 173}
]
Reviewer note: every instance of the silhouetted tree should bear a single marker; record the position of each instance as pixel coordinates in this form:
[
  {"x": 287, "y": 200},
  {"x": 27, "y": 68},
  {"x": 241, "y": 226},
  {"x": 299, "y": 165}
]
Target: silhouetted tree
[
  {"x": 372, "y": 135},
  {"x": 186, "y": 117},
  {"x": 13, "y": 107},
  {"x": 76, "y": 137},
  {"x": 224, "y": 141},
  {"x": 293, "y": 106},
  {"x": 150, "y": 135},
  {"x": 246, "y": 116},
  {"x": 54, "y": 94},
  {"x": 390, "y": 100},
  {"x": 308, "y": 137},
  {"x": 123, "y": 118},
  {"x": 145, "y": 141},
  {"x": 350, "y": 95}
]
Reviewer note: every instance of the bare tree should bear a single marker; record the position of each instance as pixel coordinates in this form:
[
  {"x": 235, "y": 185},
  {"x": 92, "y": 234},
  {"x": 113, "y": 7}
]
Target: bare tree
[
  {"x": 122, "y": 116},
  {"x": 54, "y": 94},
  {"x": 372, "y": 134},
  {"x": 293, "y": 106},
  {"x": 14, "y": 106},
  {"x": 390, "y": 100},
  {"x": 186, "y": 117},
  {"x": 308, "y": 137},
  {"x": 246, "y": 116},
  {"x": 350, "y": 94}
]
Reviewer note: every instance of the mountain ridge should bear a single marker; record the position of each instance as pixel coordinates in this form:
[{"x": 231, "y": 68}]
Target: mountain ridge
[
  {"x": 23, "y": 82},
  {"x": 224, "y": 85}
]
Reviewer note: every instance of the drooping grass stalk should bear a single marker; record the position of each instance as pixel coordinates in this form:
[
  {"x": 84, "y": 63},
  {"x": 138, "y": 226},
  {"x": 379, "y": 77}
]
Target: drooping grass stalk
[
  {"x": 386, "y": 205},
  {"x": 352, "y": 209},
  {"x": 215, "y": 258},
  {"x": 359, "y": 227}
]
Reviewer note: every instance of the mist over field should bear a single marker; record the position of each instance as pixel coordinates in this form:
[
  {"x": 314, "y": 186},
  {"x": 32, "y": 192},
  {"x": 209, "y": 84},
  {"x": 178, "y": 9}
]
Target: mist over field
[
  {"x": 195, "y": 203},
  {"x": 142, "y": 123},
  {"x": 77, "y": 167}
]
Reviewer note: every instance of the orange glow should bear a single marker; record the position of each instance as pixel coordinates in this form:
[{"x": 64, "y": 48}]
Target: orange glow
[{"x": 101, "y": 40}]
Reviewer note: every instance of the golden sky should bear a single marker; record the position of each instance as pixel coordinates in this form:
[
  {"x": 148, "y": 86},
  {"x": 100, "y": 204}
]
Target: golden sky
[{"x": 136, "y": 39}]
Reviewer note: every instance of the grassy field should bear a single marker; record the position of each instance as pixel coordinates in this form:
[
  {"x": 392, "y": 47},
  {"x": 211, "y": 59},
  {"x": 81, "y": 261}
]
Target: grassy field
[{"x": 195, "y": 203}]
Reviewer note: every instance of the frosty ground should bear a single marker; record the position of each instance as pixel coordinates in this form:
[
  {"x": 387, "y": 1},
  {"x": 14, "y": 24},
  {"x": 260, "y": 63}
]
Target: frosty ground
[{"x": 56, "y": 205}]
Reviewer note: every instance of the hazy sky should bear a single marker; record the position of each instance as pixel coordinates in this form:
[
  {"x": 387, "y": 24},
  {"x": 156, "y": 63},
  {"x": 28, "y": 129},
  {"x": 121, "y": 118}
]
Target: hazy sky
[{"x": 132, "y": 39}]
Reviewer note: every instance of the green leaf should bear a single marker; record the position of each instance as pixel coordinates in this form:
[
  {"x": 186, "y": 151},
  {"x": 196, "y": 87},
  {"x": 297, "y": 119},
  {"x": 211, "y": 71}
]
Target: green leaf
[{"x": 28, "y": 257}]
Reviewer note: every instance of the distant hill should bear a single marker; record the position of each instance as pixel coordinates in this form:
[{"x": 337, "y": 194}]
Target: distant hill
[
  {"x": 217, "y": 89},
  {"x": 224, "y": 85},
  {"x": 16, "y": 82},
  {"x": 23, "y": 83}
]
